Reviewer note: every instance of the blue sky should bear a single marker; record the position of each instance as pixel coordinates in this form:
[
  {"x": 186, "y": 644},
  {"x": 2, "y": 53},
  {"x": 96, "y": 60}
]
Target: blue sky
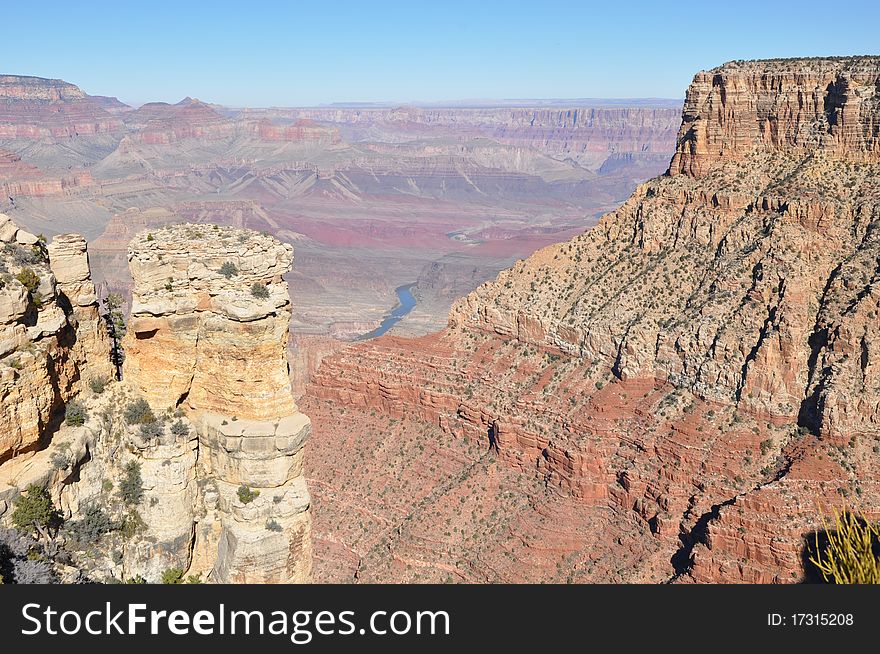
[{"x": 305, "y": 53}]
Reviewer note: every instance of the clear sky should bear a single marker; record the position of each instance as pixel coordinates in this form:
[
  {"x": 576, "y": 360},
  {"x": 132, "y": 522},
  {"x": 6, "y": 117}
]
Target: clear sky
[{"x": 304, "y": 53}]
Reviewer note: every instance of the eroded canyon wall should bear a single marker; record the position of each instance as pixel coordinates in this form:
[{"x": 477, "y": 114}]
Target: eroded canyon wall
[{"x": 692, "y": 379}]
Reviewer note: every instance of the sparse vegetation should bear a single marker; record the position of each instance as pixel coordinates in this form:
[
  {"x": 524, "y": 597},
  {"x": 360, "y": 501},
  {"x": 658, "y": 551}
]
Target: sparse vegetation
[
  {"x": 228, "y": 270},
  {"x": 246, "y": 495},
  {"x": 172, "y": 576},
  {"x": 260, "y": 291},
  {"x": 75, "y": 414},
  {"x": 138, "y": 412},
  {"x": 29, "y": 279},
  {"x": 34, "y": 508},
  {"x": 179, "y": 428},
  {"x": 98, "y": 385},
  {"x": 131, "y": 487}
]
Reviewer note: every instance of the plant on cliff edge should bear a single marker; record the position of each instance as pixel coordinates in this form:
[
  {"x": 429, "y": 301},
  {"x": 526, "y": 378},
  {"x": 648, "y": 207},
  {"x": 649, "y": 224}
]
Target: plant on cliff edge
[
  {"x": 246, "y": 495},
  {"x": 131, "y": 487},
  {"x": 75, "y": 414},
  {"x": 179, "y": 428},
  {"x": 29, "y": 279},
  {"x": 34, "y": 508},
  {"x": 138, "y": 412},
  {"x": 260, "y": 291},
  {"x": 115, "y": 322},
  {"x": 98, "y": 384},
  {"x": 852, "y": 552},
  {"x": 172, "y": 576}
]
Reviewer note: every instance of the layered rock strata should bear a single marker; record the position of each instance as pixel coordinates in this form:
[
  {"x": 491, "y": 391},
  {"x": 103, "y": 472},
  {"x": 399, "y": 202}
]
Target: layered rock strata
[
  {"x": 702, "y": 360},
  {"x": 208, "y": 335},
  {"x": 50, "y": 333}
]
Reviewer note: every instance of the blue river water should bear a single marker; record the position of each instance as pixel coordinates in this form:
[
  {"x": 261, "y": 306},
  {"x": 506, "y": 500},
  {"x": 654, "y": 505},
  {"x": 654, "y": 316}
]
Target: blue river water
[{"x": 405, "y": 303}]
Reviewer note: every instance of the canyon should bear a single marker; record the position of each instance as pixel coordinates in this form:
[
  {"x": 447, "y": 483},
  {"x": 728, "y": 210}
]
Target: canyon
[
  {"x": 679, "y": 394},
  {"x": 373, "y": 198}
]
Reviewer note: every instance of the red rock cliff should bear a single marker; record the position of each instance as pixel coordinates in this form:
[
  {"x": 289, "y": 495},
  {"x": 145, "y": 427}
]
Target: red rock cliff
[{"x": 689, "y": 380}]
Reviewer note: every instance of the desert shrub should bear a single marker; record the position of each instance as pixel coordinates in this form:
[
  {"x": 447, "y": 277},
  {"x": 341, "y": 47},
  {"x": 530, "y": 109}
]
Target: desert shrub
[
  {"x": 131, "y": 487},
  {"x": 195, "y": 579},
  {"x": 246, "y": 495},
  {"x": 61, "y": 458},
  {"x": 179, "y": 428},
  {"x": 228, "y": 270},
  {"x": 151, "y": 430},
  {"x": 34, "y": 507},
  {"x": 172, "y": 576},
  {"x": 138, "y": 412},
  {"x": 137, "y": 579},
  {"x": 851, "y": 554},
  {"x": 98, "y": 385},
  {"x": 27, "y": 571},
  {"x": 29, "y": 279},
  {"x": 75, "y": 414},
  {"x": 132, "y": 524},
  {"x": 272, "y": 525},
  {"x": 93, "y": 524},
  {"x": 260, "y": 291}
]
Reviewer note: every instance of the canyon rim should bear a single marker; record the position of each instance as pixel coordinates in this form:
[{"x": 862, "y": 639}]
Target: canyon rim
[{"x": 675, "y": 394}]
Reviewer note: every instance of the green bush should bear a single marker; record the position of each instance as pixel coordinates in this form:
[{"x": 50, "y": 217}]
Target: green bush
[
  {"x": 28, "y": 279},
  {"x": 138, "y": 412},
  {"x": 75, "y": 414},
  {"x": 172, "y": 576},
  {"x": 34, "y": 507},
  {"x": 246, "y": 495},
  {"x": 179, "y": 428},
  {"x": 260, "y": 291},
  {"x": 151, "y": 430},
  {"x": 228, "y": 270},
  {"x": 132, "y": 524},
  {"x": 98, "y": 384},
  {"x": 93, "y": 524},
  {"x": 131, "y": 487}
]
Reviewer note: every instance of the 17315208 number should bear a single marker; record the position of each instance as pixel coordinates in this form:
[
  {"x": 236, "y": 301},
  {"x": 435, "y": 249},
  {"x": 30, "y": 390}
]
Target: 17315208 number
[{"x": 810, "y": 620}]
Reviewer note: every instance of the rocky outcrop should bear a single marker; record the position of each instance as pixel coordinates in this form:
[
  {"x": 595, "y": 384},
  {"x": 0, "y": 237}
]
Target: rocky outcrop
[
  {"x": 33, "y": 107},
  {"x": 208, "y": 336},
  {"x": 51, "y": 339},
  {"x": 694, "y": 373},
  {"x": 800, "y": 106}
]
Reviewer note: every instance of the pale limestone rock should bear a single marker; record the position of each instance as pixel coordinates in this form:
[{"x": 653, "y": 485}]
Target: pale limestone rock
[
  {"x": 25, "y": 238},
  {"x": 7, "y": 229},
  {"x": 200, "y": 341}
]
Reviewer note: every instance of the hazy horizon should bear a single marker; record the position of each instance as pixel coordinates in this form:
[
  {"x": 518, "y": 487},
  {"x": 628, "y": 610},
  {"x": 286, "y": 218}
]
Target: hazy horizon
[{"x": 308, "y": 55}]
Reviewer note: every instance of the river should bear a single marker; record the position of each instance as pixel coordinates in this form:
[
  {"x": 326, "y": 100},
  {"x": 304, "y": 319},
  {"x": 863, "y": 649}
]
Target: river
[{"x": 406, "y": 301}]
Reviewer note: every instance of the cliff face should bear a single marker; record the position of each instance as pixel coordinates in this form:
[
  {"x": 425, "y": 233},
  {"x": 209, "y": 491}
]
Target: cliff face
[
  {"x": 192, "y": 463},
  {"x": 827, "y": 106},
  {"x": 586, "y": 134},
  {"x": 692, "y": 376},
  {"x": 208, "y": 336},
  {"x": 33, "y": 107},
  {"x": 50, "y": 333}
]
